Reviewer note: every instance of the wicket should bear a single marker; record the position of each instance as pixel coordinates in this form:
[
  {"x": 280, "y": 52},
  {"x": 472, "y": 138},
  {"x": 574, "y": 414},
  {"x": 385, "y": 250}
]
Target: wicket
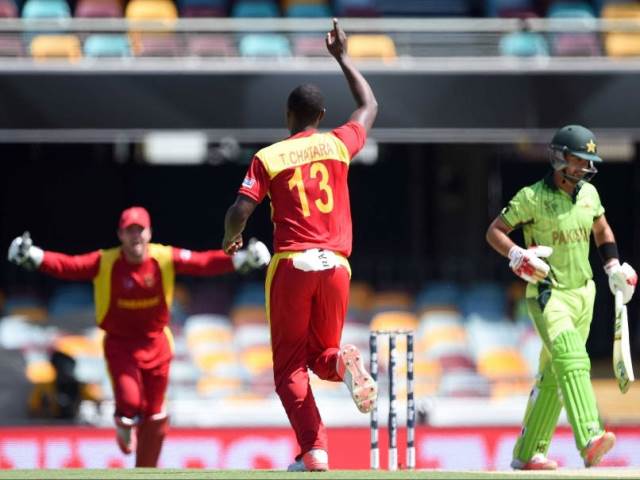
[{"x": 393, "y": 420}]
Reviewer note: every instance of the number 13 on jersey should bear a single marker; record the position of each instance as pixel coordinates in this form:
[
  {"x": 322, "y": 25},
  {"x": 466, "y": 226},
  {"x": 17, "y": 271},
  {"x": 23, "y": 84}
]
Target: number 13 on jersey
[{"x": 324, "y": 205}]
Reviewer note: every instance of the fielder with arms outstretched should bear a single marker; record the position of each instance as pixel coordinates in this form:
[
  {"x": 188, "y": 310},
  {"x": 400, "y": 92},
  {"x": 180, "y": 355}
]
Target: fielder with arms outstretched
[
  {"x": 133, "y": 290},
  {"x": 307, "y": 286},
  {"x": 558, "y": 215}
]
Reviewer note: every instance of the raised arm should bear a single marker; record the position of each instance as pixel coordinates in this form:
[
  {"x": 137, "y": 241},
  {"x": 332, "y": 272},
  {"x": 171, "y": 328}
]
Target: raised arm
[{"x": 366, "y": 101}]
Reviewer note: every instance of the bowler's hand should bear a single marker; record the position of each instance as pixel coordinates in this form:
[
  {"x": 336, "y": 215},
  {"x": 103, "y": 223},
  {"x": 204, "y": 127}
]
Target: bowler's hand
[
  {"x": 336, "y": 40},
  {"x": 232, "y": 245}
]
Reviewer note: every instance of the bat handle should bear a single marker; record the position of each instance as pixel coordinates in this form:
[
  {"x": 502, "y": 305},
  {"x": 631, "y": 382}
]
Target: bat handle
[{"x": 619, "y": 303}]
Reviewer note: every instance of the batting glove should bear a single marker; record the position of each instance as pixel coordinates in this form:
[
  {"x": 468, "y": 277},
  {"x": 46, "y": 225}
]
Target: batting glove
[
  {"x": 621, "y": 277},
  {"x": 256, "y": 255},
  {"x": 24, "y": 254},
  {"x": 528, "y": 264}
]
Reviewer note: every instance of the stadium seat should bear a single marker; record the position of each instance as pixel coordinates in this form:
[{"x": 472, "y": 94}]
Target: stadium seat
[
  {"x": 24, "y": 305},
  {"x": 75, "y": 298},
  {"x": 438, "y": 296},
  {"x": 424, "y": 8},
  {"x": 622, "y": 44},
  {"x": 98, "y": 9},
  {"x": 151, "y": 10},
  {"x": 523, "y": 44},
  {"x": 485, "y": 300},
  {"x": 264, "y": 45},
  {"x": 255, "y": 9},
  {"x": 309, "y": 46},
  {"x": 498, "y": 8},
  {"x": 211, "y": 45},
  {"x": 157, "y": 45},
  {"x": 311, "y": 10},
  {"x": 355, "y": 8},
  {"x": 251, "y": 293},
  {"x": 46, "y": 9},
  {"x": 56, "y": 47},
  {"x": 248, "y": 314},
  {"x": 371, "y": 46},
  {"x": 8, "y": 9},
  {"x": 196, "y": 11},
  {"x": 565, "y": 9},
  {"x": 394, "y": 320},
  {"x": 464, "y": 384},
  {"x": 391, "y": 300},
  {"x": 503, "y": 364},
  {"x": 107, "y": 45}
]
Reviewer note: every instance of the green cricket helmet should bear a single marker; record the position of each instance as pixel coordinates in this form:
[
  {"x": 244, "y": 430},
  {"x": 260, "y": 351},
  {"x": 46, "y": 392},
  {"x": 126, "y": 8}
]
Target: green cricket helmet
[{"x": 578, "y": 141}]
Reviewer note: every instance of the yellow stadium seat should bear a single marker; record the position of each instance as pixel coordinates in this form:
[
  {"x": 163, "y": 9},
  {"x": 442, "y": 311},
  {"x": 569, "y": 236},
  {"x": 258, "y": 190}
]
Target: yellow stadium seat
[
  {"x": 40, "y": 372},
  {"x": 151, "y": 10},
  {"x": 371, "y": 46},
  {"x": 446, "y": 334},
  {"x": 45, "y": 47},
  {"x": 394, "y": 320},
  {"x": 257, "y": 359},
  {"x": 507, "y": 388},
  {"x": 503, "y": 363},
  {"x": 208, "y": 360},
  {"x": 212, "y": 385},
  {"x": 622, "y": 44}
]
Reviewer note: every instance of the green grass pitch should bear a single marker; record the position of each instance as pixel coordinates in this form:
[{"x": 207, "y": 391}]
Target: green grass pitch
[{"x": 182, "y": 474}]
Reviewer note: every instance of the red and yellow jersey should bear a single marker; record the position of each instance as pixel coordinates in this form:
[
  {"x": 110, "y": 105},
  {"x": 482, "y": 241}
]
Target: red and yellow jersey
[
  {"x": 305, "y": 177},
  {"x": 133, "y": 300}
]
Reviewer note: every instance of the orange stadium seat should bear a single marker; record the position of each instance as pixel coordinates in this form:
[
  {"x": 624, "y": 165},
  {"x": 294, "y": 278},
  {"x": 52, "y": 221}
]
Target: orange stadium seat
[
  {"x": 503, "y": 363},
  {"x": 391, "y": 300},
  {"x": 67, "y": 47},
  {"x": 371, "y": 46},
  {"x": 394, "y": 320}
]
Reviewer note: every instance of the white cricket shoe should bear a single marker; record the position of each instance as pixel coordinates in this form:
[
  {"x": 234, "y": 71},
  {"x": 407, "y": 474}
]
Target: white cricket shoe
[{"x": 363, "y": 388}]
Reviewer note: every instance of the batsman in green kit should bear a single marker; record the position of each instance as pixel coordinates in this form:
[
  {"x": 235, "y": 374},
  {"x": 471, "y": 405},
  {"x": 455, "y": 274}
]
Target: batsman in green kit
[{"x": 558, "y": 214}]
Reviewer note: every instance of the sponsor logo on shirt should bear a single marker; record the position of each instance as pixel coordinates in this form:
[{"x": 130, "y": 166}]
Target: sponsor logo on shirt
[
  {"x": 573, "y": 235},
  {"x": 138, "y": 303},
  {"x": 128, "y": 283},
  {"x": 148, "y": 280},
  {"x": 248, "y": 182}
]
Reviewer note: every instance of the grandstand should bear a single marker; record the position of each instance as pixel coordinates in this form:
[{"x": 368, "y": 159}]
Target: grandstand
[{"x": 107, "y": 103}]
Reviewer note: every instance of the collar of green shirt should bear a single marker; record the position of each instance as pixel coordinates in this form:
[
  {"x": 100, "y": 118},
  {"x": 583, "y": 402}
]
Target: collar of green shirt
[{"x": 548, "y": 180}]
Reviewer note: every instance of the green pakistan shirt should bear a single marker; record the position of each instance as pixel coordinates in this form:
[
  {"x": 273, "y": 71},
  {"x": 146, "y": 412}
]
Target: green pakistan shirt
[{"x": 549, "y": 216}]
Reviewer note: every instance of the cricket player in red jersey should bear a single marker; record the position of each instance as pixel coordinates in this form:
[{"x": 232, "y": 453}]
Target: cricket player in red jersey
[
  {"x": 307, "y": 285},
  {"x": 133, "y": 291}
]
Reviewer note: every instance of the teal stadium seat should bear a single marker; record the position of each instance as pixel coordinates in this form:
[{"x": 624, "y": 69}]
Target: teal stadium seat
[
  {"x": 107, "y": 45},
  {"x": 308, "y": 10},
  {"x": 570, "y": 10},
  {"x": 255, "y": 9},
  {"x": 264, "y": 45},
  {"x": 523, "y": 44},
  {"x": 46, "y": 9}
]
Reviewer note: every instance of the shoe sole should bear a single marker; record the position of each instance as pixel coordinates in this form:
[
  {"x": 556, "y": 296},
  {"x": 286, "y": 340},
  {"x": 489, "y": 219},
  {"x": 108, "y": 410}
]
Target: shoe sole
[
  {"x": 532, "y": 467},
  {"x": 600, "y": 449},
  {"x": 126, "y": 448},
  {"x": 364, "y": 390}
]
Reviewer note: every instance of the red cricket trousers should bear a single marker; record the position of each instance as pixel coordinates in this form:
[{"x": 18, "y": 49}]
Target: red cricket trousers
[
  {"x": 139, "y": 370},
  {"x": 306, "y": 314}
]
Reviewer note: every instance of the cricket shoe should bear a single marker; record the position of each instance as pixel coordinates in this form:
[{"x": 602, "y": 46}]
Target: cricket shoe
[
  {"x": 315, "y": 460},
  {"x": 363, "y": 388},
  {"x": 126, "y": 434},
  {"x": 537, "y": 462},
  {"x": 597, "y": 448}
]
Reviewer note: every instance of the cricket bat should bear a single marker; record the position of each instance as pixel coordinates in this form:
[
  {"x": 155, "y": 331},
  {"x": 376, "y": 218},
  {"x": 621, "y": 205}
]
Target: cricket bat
[{"x": 622, "y": 366}]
